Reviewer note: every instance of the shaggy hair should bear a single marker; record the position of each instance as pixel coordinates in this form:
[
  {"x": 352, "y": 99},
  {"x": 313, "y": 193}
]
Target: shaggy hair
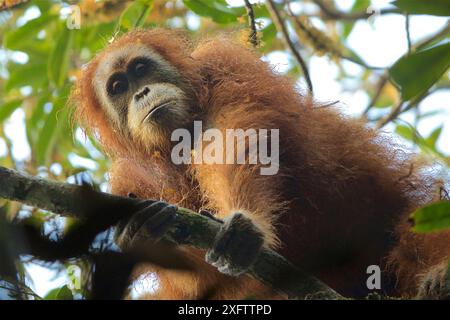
[{"x": 339, "y": 203}]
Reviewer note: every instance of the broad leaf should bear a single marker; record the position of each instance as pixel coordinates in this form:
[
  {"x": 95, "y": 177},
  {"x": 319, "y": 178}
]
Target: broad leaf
[
  {"x": 30, "y": 74},
  {"x": 135, "y": 14},
  {"x": 414, "y": 74},
  {"x": 434, "y": 136},
  {"x": 59, "y": 58},
  {"x": 46, "y": 138},
  {"x": 14, "y": 39},
  {"x": 405, "y": 132},
  {"x": 8, "y": 108},
  {"x": 63, "y": 293},
  {"x": 216, "y": 10},
  {"x": 433, "y": 217},
  {"x": 35, "y": 119},
  {"x": 433, "y": 7},
  {"x": 57, "y": 119},
  {"x": 358, "y": 6},
  {"x": 269, "y": 33}
]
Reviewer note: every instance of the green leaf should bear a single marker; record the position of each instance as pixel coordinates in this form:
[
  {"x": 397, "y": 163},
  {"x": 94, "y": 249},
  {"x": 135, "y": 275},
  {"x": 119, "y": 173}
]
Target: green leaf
[
  {"x": 29, "y": 74},
  {"x": 433, "y": 7},
  {"x": 430, "y": 114},
  {"x": 426, "y": 145},
  {"x": 384, "y": 102},
  {"x": 52, "y": 294},
  {"x": 434, "y": 136},
  {"x": 35, "y": 118},
  {"x": 8, "y": 108},
  {"x": 414, "y": 74},
  {"x": 36, "y": 49},
  {"x": 216, "y": 10},
  {"x": 433, "y": 217},
  {"x": 63, "y": 293},
  {"x": 51, "y": 131},
  {"x": 47, "y": 135},
  {"x": 269, "y": 33},
  {"x": 358, "y": 6},
  {"x": 99, "y": 37},
  {"x": 59, "y": 58},
  {"x": 36, "y": 220},
  {"x": 16, "y": 38},
  {"x": 38, "y": 110},
  {"x": 405, "y": 132},
  {"x": 43, "y": 6},
  {"x": 347, "y": 29},
  {"x": 259, "y": 9},
  {"x": 135, "y": 14}
]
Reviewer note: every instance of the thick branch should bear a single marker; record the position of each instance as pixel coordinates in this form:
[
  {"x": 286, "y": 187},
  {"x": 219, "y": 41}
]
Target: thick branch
[{"x": 190, "y": 228}]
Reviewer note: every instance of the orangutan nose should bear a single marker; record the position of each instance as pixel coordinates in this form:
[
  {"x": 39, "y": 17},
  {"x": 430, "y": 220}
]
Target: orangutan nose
[{"x": 141, "y": 94}]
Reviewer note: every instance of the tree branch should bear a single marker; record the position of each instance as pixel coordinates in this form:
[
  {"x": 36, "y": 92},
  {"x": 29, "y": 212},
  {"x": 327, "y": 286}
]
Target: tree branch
[
  {"x": 391, "y": 116},
  {"x": 432, "y": 38},
  {"x": 252, "y": 24},
  {"x": 408, "y": 33},
  {"x": 331, "y": 13},
  {"x": 190, "y": 228},
  {"x": 401, "y": 108},
  {"x": 357, "y": 60},
  {"x": 278, "y": 22},
  {"x": 382, "y": 81}
]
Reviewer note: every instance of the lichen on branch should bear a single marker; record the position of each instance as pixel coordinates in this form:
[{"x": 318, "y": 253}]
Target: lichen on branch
[{"x": 190, "y": 228}]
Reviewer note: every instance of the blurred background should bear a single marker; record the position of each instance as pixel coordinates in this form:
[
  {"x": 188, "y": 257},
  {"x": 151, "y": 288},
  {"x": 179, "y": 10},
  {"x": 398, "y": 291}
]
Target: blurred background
[{"x": 386, "y": 62}]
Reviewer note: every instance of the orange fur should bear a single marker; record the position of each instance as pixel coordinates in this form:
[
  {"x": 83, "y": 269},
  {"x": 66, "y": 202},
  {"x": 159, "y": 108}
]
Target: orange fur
[{"x": 339, "y": 203}]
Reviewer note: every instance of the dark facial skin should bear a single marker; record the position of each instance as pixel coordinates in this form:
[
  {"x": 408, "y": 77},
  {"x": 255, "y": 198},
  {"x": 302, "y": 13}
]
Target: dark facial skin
[
  {"x": 143, "y": 94},
  {"x": 129, "y": 80}
]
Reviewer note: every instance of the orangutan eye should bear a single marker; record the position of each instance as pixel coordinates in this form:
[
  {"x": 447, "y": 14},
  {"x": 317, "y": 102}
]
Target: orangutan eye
[
  {"x": 139, "y": 67},
  {"x": 117, "y": 84}
]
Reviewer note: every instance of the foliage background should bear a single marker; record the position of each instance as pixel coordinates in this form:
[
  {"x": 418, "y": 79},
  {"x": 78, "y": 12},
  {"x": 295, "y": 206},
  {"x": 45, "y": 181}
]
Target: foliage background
[{"x": 407, "y": 92}]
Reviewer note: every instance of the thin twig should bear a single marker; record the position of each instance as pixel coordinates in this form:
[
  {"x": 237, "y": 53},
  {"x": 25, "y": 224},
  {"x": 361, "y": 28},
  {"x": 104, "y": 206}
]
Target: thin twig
[
  {"x": 401, "y": 108},
  {"x": 341, "y": 55},
  {"x": 416, "y": 122},
  {"x": 408, "y": 33},
  {"x": 278, "y": 22},
  {"x": 414, "y": 103},
  {"x": 26, "y": 292},
  {"x": 360, "y": 62},
  {"x": 331, "y": 13},
  {"x": 379, "y": 89},
  {"x": 252, "y": 24},
  {"x": 430, "y": 39},
  {"x": 391, "y": 116}
]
